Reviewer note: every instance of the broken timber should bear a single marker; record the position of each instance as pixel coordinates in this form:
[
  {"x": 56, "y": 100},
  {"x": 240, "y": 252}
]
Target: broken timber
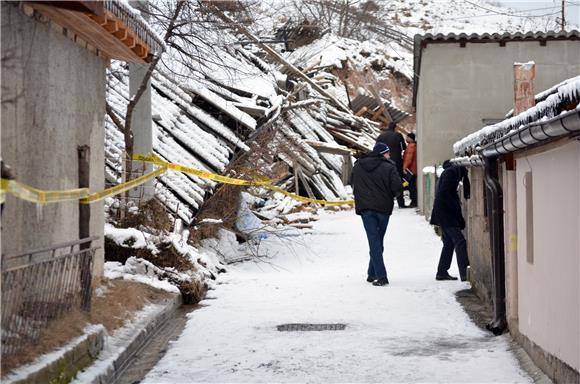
[{"x": 276, "y": 57}]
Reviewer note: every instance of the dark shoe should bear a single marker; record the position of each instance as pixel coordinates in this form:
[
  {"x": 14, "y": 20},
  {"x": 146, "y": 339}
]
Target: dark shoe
[
  {"x": 370, "y": 279},
  {"x": 380, "y": 282},
  {"x": 463, "y": 278},
  {"x": 445, "y": 277}
]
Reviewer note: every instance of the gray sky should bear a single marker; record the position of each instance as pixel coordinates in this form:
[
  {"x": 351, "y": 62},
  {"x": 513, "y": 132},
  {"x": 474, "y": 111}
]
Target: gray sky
[{"x": 543, "y": 7}]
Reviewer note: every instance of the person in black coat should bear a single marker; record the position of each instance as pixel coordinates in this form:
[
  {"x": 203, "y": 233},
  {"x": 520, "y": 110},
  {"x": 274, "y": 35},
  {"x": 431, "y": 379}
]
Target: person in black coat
[
  {"x": 395, "y": 141},
  {"x": 376, "y": 183},
  {"x": 447, "y": 215}
]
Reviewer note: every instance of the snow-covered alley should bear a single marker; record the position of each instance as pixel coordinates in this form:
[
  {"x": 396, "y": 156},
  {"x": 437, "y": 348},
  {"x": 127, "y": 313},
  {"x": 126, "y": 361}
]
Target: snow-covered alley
[{"x": 412, "y": 330}]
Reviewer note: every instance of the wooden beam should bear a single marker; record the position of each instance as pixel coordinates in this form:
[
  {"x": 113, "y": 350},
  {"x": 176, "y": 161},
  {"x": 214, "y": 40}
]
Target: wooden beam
[
  {"x": 328, "y": 148},
  {"x": 111, "y": 26},
  {"x": 305, "y": 183},
  {"x": 141, "y": 50},
  {"x": 121, "y": 33},
  {"x": 361, "y": 111},
  {"x": 130, "y": 41},
  {"x": 346, "y": 169},
  {"x": 276, "y": 57},
  {"x": 101, "y": 20},
  {"x": 378, "y": 99}
]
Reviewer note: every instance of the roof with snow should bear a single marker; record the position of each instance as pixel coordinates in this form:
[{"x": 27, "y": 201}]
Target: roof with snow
[
  {"x": 421, "y": 42},
  {"x": 554, "y": 102}
]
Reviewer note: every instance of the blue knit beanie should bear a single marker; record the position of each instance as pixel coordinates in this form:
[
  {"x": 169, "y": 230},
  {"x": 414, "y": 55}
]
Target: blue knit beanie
[{"x": 381, "y": 148}]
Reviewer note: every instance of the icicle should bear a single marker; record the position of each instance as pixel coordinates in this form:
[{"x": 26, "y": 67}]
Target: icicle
[{"x": 39, "y": 211}]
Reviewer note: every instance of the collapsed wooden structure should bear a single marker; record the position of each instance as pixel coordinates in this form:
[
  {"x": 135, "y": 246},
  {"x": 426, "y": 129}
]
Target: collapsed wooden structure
[{"x": 206, "y": 123}]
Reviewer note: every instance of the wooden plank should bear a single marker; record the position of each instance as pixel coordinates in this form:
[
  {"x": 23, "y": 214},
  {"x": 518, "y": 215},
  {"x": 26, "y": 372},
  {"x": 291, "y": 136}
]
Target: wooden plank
[
  {"x": 253, "y": 110},
  {"x": 378, "y": 99},
  {"x": 306, "y": 185},
  {"x": 328, "y": 148},
  {"x": 346, "y": 169},
  {"x": 361, "y": 111},
  {"x": 347, "y": 139}
]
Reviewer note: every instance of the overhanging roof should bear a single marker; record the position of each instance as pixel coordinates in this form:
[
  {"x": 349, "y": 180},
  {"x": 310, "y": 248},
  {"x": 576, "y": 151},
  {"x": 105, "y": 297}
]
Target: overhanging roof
[
  {"x": 110, "y": 26},
  {"x": 421, "y": 41}
]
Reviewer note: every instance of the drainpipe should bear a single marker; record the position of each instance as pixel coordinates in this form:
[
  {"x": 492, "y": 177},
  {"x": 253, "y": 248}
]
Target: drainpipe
[{"x": 495, "y": 212}]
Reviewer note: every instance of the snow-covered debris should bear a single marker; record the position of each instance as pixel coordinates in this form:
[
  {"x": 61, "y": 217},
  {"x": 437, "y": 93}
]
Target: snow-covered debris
[
  {"x": 145, "y": 272},
  {"x": 130, "y": 237}
]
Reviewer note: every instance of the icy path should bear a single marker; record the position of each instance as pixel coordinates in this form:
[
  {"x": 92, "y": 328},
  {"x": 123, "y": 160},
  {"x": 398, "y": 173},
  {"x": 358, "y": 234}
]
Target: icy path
[{"x": 410, "y": 331}]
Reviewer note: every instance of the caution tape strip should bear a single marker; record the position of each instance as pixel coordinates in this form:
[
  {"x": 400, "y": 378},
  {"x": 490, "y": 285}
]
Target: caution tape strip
[
  {"x": 229, "y": 180},
  {"x": 123, "y": 187},
  {"x": 28, "y": 193}
]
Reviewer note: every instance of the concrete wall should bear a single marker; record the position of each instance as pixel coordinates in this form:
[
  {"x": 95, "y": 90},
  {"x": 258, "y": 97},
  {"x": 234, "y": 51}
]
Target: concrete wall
[
  {"x": 549, "y": 285},
  {"x": 459, "y": 87},
  {"x": 477, "y": 235},
  {"x": 59, "y": 91},
  {"x": 511, "y": 246}
]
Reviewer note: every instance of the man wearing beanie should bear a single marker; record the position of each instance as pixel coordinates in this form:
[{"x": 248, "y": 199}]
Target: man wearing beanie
[{"x": 376, "y": 183}]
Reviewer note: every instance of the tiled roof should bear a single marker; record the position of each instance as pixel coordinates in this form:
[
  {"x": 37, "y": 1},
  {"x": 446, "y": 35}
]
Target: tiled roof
[
  {"x": 421, "y": 41},
  {"x": 361, "y": 101}
]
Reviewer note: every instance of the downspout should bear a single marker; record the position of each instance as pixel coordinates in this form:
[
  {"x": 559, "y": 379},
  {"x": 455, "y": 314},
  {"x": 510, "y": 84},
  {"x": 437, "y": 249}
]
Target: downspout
[{"x": 495, "y": 213}]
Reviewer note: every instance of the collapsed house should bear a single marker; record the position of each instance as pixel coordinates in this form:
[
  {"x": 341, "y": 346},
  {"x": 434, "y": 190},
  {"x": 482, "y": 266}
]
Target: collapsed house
[{"x": 206, "y": 120}]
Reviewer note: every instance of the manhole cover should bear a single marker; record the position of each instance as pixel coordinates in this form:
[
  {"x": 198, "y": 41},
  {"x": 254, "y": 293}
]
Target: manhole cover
[{"x": 310, "y": 327}]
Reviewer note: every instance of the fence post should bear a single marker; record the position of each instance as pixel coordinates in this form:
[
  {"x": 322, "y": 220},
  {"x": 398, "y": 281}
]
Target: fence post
[{"x": 84, "y": 156}]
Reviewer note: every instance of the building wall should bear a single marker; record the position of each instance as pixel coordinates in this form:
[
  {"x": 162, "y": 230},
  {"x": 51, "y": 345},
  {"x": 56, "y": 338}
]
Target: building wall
[
  {"x": 477, "y": 233},
  {"x": 57, "y": 90},
  {"x": 549, "y": 284},
  {"x": 461, "y": 86},
  {"x": 509, "y": 178}
]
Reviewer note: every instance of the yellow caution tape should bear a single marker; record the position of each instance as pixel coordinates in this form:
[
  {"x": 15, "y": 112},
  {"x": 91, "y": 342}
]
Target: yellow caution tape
[
  {"x": 230, "y": 180},
  {"x": 28, "y": 193},
  {"x": 308, "y": 199},
  {"x": 123, "y": 187}
]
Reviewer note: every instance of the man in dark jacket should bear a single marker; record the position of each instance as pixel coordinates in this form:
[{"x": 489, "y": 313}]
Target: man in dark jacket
[
  {"x": 396, "y": 143},
  {"x": 376, "y": 183},
  {"x": 447, "y": 214}
]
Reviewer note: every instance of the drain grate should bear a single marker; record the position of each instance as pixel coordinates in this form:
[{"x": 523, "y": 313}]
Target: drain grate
[{"x": 296, "y": 327}]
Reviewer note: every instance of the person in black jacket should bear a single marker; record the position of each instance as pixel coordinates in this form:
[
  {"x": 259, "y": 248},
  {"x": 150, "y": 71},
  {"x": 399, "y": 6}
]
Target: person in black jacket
[
  {"x": 447, "y": 214},
  {"x": 376, "y": 183},
  {"x": 395, "y": 141}
]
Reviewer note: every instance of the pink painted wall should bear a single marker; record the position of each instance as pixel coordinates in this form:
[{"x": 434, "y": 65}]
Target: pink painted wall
[{"x": 549, "y": 287}]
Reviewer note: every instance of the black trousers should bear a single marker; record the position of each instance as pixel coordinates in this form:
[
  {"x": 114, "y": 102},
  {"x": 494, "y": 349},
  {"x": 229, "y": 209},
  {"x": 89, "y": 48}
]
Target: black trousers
[
  {"x": 413, "y": 190},
  {"x": 453, "y": 240},
  {"x": 400, "y": 198}
]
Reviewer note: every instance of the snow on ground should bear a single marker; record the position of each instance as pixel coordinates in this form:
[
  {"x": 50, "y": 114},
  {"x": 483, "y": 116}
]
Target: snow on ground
[{"x": 413, "y": 330}]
